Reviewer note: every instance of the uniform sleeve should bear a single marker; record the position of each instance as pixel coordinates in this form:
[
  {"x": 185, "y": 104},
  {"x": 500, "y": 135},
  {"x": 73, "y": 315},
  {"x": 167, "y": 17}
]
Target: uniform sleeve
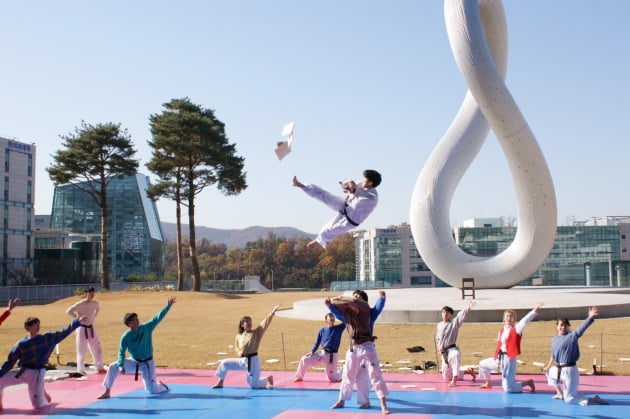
[
  {"x": 4, "y": 316},
  {"x": 122, "y": 349},
  {"x": 520, "y": 326},
  {"x": 72, "y": 308},
  {"x": 11, "y": 360},
  {"x": 379, "y": 306},
  {"x": 461, "y": 316},
  {"x": 266, "y": 321},
  {"x": 237, "y": 346},
  {"x": 335, "y": 311},
  {"x": 151, "y": 324},
  {"x": 582, "y": 328},
  {"x": 318, "y": 341},
  {"x": 60, "y": 335}
]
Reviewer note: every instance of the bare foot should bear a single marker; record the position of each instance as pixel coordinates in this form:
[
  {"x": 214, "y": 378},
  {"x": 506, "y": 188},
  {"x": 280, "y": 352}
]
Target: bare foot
[
  {"x": 487, "y": 384},
  {"x": 219, "y": 384},
  {"x": 297, "y": 183},
  {"x": 471, "y": 372},
  {"x": 297, "y": 379},
  {"x": 558, "y": 396},
  {"x": 162, "y": 383},
  {"x": 270, "y": 380},
  {"x": 452, "y": 384},
  {"x": 104, "y": 395},
  {"x": 338, "y": 405},
  {"x": 365, "y": 405},
  {"x": 102, "y": 371},
  {"x": 384, "y": 409},
  {"x": 48, "y": 398}
]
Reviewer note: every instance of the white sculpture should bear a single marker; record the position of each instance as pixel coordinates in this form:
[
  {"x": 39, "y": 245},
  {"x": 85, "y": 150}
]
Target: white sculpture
[{"x": 478, "y": 37}]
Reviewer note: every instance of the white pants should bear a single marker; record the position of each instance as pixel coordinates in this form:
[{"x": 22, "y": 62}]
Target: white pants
[
  {"x": 508, "y": 372},
  {"x": 454, "y": 360},
  {"x": 336, "y": 225},
  {"x": 91, "y": 342},
  {"x": 569, "y": 378},
  {"x": 240, "y": 364},
  {"x": 147, "y": 369},
  {"x": 34, "y": 379},
  {"x": 320, "y": 357},
  {"x": 362, "y": 368}
]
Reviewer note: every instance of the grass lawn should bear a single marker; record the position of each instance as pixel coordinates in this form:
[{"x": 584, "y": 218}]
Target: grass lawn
[{"x": 200, "y": 329}]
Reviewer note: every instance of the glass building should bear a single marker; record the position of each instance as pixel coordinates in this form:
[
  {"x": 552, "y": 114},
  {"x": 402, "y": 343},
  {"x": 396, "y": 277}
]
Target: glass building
[
  {"x": 581, "y": 254},
  {"x": 135, "y": 243},
  {"x": 585, "y": 254}
]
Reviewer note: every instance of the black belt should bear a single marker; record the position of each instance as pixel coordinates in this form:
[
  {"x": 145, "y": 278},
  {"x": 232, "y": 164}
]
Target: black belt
[
  {"x": 445, "y": 353},
  {"x": 330, "y": 353},
  {"x": 86, "y": 327},
  {"x": 499, "y": 358},
  {"x": 345, "y": 214},
  {"x": 249, "y": 362},
  {"x": 138, "y": 362},
  {"x": 560, "y": 366}
]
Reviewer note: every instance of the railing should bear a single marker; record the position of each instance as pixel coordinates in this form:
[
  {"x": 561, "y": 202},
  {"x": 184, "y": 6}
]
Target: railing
[{"x": 35, "y": 293}]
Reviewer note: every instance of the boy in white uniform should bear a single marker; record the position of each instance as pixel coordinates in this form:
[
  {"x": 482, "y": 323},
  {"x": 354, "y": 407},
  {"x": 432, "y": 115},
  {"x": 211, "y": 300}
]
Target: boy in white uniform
[{"x": 86, "y": 334}]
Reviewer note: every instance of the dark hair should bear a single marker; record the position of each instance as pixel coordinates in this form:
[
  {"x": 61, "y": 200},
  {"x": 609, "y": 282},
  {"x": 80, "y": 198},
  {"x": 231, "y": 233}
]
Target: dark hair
[
  {"x": 362, "y": 294},
  {"x": 240, "y": 324},
  {"x": 128, "y": 318},
  {"x": 448, "y": 309},
  {"x": 373, "y": 176},
  {"x": 30, "y": 321},
  {"x": 563, "y": 320},
  {"x": 329, "y": 315},
  {"x": 91, "y": 289}
]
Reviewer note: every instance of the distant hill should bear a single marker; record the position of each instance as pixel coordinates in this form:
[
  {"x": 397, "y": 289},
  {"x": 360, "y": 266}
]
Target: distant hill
[{"x": 234, "y": 238}]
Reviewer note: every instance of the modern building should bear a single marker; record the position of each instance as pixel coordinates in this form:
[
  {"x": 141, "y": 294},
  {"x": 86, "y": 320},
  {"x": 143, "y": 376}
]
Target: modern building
[
  {"x": 135, "y": 242},
  {"x": 582, "y": 254},
  {"x": 592, "y": 253},
  {"x": 390, "y": 256},
  {"x": 62, "y": 257},
  {"x": 17, "y": 211}
]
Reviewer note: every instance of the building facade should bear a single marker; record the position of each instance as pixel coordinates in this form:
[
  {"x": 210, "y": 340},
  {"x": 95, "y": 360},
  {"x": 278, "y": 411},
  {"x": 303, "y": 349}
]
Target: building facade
[
  {"x": 135, "y": 242},
  {"x": 585, "y": 254},
  {"x": 389, "y": 256},
  {"x": 17, "y": 211}
]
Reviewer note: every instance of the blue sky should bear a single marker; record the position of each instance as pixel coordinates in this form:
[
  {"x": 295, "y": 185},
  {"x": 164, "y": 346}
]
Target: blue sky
[{"x": 369, "y": 84}]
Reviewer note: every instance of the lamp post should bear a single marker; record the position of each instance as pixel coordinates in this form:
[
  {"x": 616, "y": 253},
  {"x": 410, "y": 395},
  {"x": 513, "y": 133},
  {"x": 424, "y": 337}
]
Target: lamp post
[{"x": 271, "y": 279}]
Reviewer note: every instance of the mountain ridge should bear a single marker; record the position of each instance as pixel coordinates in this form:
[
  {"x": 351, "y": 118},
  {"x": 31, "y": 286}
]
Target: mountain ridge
[{"x": 233, "y": 237}]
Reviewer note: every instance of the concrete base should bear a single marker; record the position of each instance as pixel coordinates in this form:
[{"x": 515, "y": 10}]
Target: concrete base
[{"x": 424, "y": 305}]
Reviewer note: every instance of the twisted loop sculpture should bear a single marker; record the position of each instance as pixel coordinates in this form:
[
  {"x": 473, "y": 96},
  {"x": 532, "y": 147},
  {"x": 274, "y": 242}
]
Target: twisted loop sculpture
[{"x": 478, "y": 36}]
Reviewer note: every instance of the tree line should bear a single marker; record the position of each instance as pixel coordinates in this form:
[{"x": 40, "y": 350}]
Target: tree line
[{"x": 279, "y": 262}]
